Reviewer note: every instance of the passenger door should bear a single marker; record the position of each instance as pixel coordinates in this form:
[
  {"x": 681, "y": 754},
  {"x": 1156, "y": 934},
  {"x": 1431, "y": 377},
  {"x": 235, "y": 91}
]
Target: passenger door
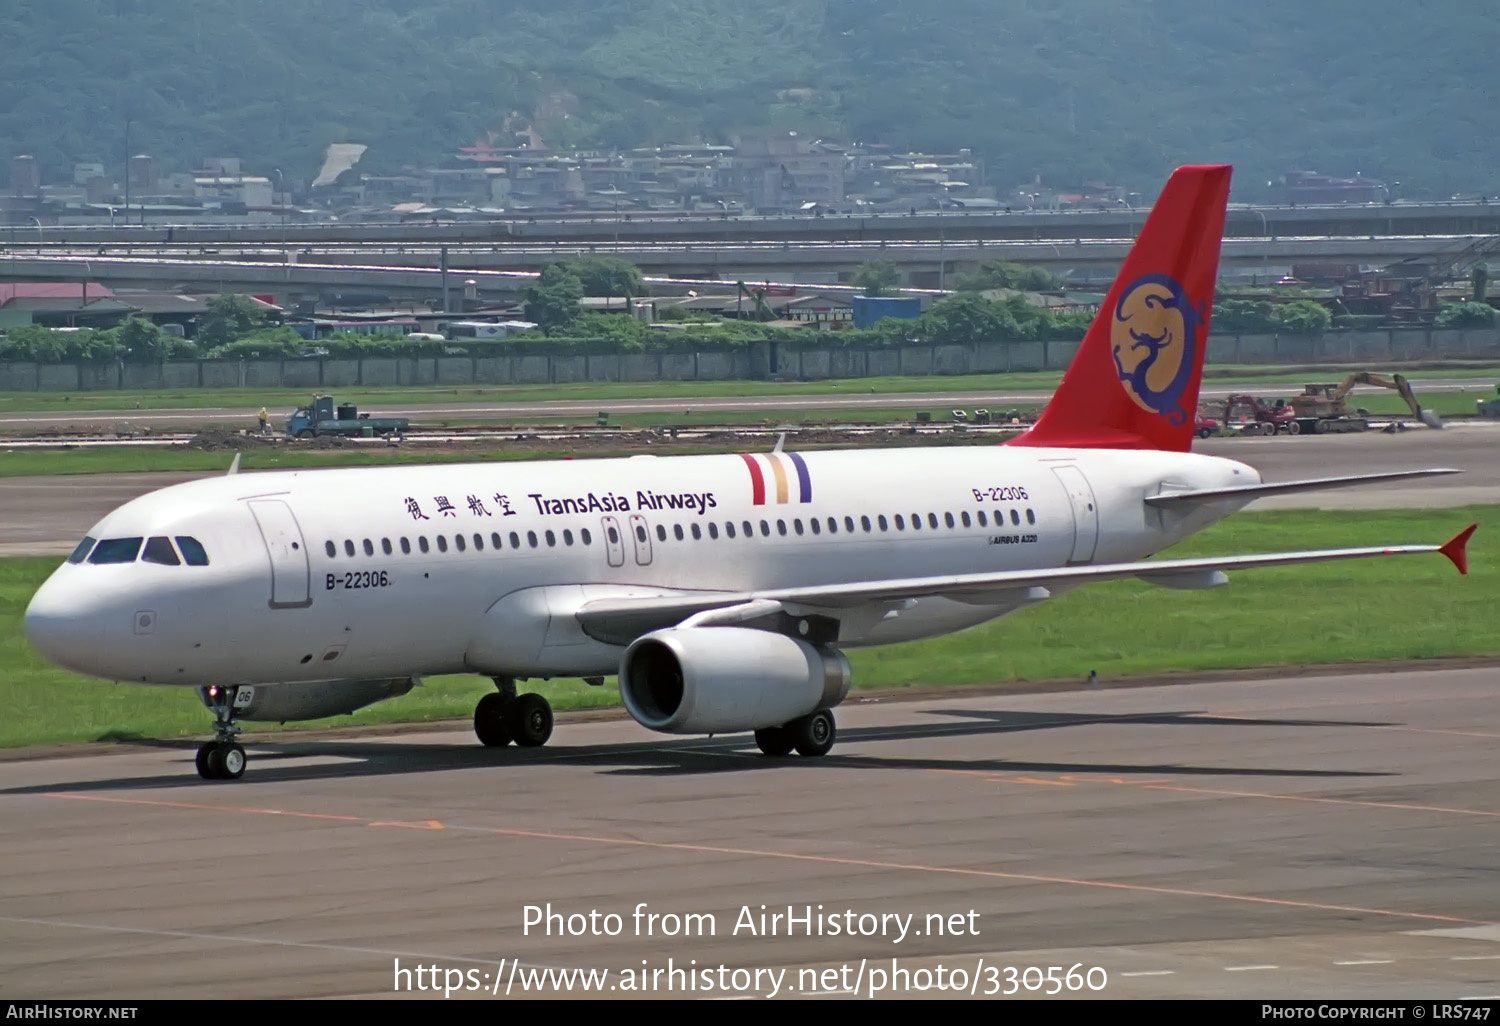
[
  {"x": 614, "y": 544},
  {"x": 291, "y": 572},
  {"x": 1085, "y": 513},
  {"x": 640, "y": 533}
]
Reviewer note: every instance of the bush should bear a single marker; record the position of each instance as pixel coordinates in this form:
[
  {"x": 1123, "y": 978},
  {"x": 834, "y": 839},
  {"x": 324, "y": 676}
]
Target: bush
[
  {"x": 1301, "y": 317},
  {"x": 1465, "y": 315}
]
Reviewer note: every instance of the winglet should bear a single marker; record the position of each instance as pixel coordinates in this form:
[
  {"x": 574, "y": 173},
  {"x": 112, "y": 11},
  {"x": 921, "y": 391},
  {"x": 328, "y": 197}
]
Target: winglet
[{"x": 1454, "y": 549}]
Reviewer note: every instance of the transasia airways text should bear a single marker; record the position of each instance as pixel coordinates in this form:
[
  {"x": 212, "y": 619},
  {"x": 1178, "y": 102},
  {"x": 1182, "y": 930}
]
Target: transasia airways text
[{"x": 698, "y": 502}]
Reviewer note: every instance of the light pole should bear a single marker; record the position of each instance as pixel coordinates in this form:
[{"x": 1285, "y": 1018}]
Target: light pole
[{"x": 39, "y": 240}]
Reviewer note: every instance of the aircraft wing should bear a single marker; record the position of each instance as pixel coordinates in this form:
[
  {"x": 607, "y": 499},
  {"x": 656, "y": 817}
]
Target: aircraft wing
[
  {"x": 613, "y": 619},
  {"x": 1256, "y": 491}
]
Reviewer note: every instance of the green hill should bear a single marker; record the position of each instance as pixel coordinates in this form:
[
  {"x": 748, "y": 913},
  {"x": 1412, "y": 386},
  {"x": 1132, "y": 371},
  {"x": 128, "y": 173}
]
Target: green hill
[{"x": 1071, "y": 89}]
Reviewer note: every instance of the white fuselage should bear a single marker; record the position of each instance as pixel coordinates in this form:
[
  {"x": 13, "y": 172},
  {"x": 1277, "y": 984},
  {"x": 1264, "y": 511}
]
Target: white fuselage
[{"x": 393, "y": 572}]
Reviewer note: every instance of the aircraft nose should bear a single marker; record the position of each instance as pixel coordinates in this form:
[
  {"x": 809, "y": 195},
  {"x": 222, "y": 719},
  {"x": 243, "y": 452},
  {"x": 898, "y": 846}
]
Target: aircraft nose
[{"x": 65, "y": 631}]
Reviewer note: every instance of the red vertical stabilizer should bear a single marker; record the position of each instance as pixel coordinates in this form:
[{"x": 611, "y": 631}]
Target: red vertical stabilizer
[{"x": 1134, "y": 381}]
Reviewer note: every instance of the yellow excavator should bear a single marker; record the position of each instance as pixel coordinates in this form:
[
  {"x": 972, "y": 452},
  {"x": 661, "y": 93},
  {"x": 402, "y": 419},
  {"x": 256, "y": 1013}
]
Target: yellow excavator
[{"x": 1323, "y": 408}]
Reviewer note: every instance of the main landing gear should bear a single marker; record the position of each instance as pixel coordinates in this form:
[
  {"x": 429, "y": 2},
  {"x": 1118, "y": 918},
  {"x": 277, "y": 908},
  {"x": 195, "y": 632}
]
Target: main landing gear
[
  {"x": 810, "y": 735},
  {"x": 504, "y": 717},
  {"x": 222, "y": 758}
]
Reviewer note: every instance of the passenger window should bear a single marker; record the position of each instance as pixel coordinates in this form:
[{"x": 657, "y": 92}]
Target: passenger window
[
  {"x": 422, "y": 543},
  {"x": 713, "y": 530},
  {"x": 880, "y": 521},
  {"x": 159, "y": 550},
  {"x": 494, "y": 539},
  {"x": 193, "y": 553},
  {"x": 369, "y": 547},
  {"x": 385, "y": 546},
  {"x": 614, "y": 537},
  {"x": 765, "y": 529},
  {"x": 697, "y": 532},
  {"x": 328, "y": 547},
  {"x": 442, "y": 543},
  {"x": 864, "y": 522},
  {"x": 781, "y": 528},
  {"x": 82, "y": 551},
  {"x": 640, "y": 533},
  {"x": 749, "y": 530},
  {"x": 677, "y": 531},
  {"x": 1030, "y": 517},
  {"x": 948, "y": 519},
  {"x": 348, "y": 547},
  {"x": 916, "y": 521},
  {"x": 458, "y": 541},
  {"x": 964, "y": 517},
  {"x": 729, "y": 528},
  {"x": 833, "y": 525},
  {"x": 478, "y": 542},
  {"x": 932, "y": 521},
  {"x": 1015, "y": 518},
  {"x": 405, "y": 547},
  {"x": 585, "y": 537},
  {"x": 552, "y": 539},
  {"x": 900, "y": 522},
  {"x": 849, "y": 524},
  {"x": 982, "y": 521},
  {"x": 531, "y": 538},
  {"x": 515, "y": 540},
  {"x": 815, "y": 524},
  {"x": 567, "y": 537},
  {"x": 661, "y": 533}
]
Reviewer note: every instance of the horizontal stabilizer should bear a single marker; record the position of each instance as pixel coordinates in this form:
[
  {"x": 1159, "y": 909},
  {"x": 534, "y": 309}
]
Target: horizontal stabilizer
[{"x": 1256, "y": 491}]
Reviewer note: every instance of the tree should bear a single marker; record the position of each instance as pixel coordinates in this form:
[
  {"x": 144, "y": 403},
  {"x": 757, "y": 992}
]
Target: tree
[
  {"x": 143, "y": 341},
  {"x": 607, "y": 276},
  {"x": 876, "y": 277},
  {"x": 1301, "y": 317},
  {"x": 552, "y": 300},
  {"x": 229, "y": 317}
]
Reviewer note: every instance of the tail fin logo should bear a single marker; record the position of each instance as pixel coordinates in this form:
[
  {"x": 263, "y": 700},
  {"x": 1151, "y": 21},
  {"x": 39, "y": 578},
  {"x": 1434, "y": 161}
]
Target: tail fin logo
[{"x": 1155, "y": 337}]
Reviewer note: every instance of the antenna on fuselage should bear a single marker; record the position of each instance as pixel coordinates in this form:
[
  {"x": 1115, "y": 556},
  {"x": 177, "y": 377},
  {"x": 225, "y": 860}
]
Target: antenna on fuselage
[
  {"x": 234, "y": 467},
  {"x": 780, "y": 441}
]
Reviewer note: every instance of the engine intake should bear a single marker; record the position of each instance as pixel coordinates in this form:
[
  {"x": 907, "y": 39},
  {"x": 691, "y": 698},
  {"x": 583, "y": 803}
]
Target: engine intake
[{"x": 710, "y": 680}]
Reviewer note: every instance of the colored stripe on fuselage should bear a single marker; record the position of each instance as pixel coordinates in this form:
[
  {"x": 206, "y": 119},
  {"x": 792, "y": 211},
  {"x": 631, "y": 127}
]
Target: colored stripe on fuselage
[
  {"x": 778, "y": 472},
  {"x": 757, "y": 482},
  {"x": 804, "y": 480}
]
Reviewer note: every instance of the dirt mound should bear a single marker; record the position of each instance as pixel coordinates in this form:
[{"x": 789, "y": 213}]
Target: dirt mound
[{"x": 214, "y": 439}]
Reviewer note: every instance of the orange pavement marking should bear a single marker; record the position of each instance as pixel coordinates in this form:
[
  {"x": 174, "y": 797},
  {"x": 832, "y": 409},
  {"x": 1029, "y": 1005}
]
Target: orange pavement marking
[{"x": 830, "y": 860}]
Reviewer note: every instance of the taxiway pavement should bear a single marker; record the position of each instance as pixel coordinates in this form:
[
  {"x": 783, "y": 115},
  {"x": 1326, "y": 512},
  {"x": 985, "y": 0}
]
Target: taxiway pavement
[{"x": 1323, "y": 837}]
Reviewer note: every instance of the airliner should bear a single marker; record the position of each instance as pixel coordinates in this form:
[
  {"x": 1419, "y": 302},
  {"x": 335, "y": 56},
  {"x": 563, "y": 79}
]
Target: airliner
[{"x": 721, "y": 590}]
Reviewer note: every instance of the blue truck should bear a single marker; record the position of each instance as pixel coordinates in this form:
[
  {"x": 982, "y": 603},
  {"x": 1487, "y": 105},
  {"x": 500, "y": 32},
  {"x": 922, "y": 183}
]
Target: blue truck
[{"x": 323, "y": 417}]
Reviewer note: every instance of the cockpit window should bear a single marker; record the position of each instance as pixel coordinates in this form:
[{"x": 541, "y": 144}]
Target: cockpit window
[
  {"x": 116, "y": 550},
  {"x": 81, "y": 553},
  {"x": 193, "y": 553},
  {"x": 159, "y": 550}
]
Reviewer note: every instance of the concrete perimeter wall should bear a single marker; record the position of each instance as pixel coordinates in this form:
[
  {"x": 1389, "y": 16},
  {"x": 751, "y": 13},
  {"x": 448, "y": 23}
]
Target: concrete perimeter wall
[{"x": 761, "y": 360}]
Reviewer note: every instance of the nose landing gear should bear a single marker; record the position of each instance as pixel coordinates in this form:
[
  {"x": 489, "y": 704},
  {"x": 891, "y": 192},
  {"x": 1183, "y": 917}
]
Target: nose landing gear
[
  {"x": 504, "y": 716},
  {"x": 222, "y": 758}
]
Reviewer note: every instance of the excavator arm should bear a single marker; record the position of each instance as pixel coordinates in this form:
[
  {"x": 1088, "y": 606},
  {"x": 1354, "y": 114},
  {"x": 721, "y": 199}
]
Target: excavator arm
[{"x": 1396, "y": 383}]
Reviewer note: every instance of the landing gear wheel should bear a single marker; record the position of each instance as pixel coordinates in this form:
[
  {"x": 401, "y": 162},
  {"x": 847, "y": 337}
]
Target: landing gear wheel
[
  {"x": 204, "y": 751},
  {"x": 774, "y": 741},
  {"x": 813, "y": 734},
  {"x": 221, "y": 758},
  {"x": 492, "y": 721},
  {"x": 530, "y": 719}
]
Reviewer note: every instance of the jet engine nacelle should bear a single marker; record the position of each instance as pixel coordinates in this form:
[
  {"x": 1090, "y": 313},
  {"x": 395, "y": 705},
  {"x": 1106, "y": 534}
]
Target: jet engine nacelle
[
  {"x": 710, "y": 680},
  {"x": 314, "y": 700}
]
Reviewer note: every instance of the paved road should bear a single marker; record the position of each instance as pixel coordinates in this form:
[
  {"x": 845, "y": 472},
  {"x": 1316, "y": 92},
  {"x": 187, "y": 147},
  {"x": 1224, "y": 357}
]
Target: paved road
[
  {"x": 852, "y": 399},
  {"x": 1322, "y": 837},
  {"x": 47, "y": 515}
]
